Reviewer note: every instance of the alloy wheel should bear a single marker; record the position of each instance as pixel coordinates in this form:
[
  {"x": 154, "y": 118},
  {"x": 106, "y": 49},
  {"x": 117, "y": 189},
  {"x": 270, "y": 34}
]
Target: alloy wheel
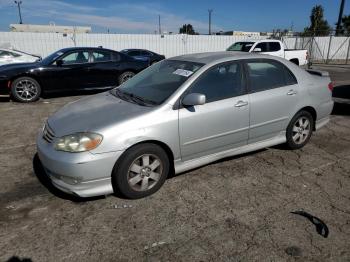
[
  {"x": 127, "y": 76},
  {"x": 145, "y": 172},
  {"x": 301, "y": 130},
  {"x": 26, "y": 89}
]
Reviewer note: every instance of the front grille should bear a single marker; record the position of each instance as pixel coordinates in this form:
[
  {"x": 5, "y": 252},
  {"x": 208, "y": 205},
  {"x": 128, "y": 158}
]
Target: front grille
[{"x": 48, "y": 134}]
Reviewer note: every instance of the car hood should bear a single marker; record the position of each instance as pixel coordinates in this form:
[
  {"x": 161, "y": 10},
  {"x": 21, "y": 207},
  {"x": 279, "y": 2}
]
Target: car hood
[{"x": 93, "y": 114}]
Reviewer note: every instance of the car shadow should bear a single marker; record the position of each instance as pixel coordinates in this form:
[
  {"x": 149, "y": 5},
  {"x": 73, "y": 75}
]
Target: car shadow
[
  {"x": 18, "y": 259},
  {"x": 226, "y": 159},
  {"x": 341, "y": 95},
  {"x": 46, "y": 182}
]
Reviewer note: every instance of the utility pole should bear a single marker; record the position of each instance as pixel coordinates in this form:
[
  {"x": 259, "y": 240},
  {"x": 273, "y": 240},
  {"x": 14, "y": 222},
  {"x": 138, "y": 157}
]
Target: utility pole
[
  {"x": 210, "y": 11},
  {"x": 18, "y": 3},
  {"x": 159, "y": 28},
  {"x": 337, "y": 32}
]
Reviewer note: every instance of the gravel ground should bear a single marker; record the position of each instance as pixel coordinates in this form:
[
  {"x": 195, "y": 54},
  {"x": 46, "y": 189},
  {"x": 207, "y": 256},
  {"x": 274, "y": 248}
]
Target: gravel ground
[{"x": 237, "y": 209}]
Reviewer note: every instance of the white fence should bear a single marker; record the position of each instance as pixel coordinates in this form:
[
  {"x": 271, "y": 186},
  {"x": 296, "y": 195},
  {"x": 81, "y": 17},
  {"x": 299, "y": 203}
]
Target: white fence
[
  {"x": 168, "y": 45},
  {"x": 320, "y": 48}
]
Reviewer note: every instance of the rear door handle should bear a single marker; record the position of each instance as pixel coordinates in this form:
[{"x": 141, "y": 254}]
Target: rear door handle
[
  {"x": 291, "y": 92},
  {"x": 241, "y": 103}
]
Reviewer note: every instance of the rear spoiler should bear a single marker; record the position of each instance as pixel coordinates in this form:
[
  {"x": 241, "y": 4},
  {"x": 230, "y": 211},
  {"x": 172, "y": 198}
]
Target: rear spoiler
[{"x": 318, "y": 72}]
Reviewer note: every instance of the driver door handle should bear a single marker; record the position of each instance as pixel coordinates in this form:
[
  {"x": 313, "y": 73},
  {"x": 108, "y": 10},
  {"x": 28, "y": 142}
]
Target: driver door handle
[
  {"x": 291, "y": 92},
  {"x": 241, "y": 103}
]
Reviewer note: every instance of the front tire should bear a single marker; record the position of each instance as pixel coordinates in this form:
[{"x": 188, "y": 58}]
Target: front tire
[
  {"x": 299, "y": 130},
  {"x": 25, "y": 90},
  {"x": 141, "y": 171}
]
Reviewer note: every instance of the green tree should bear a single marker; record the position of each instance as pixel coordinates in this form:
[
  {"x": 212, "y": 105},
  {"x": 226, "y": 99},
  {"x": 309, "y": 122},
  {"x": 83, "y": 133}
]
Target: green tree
[
  {"x": 187, "y": 29},
  {"x": 318, "y": 25},
  {"x": 345, "y": 25}
]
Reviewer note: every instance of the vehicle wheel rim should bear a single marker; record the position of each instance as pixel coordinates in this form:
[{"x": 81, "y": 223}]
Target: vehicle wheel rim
[
  {"x": 301, "y": 130},
  {"x": 127, "y": 76},
  {"x": 145, "y": 172},
  {"x": 26, "y": 89}
]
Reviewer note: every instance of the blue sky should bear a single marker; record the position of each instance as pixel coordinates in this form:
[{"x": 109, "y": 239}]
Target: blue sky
[{"x": 140, "y": 16}]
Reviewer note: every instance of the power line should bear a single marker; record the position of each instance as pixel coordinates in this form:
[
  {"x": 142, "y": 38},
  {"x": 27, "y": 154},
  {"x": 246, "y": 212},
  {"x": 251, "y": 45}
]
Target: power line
[
  {"x": 210, "y": 11},
  {"x": 340, "y": 17},
  {"x": 18, "y": 3},
  {"x": 159, "y": 27}
]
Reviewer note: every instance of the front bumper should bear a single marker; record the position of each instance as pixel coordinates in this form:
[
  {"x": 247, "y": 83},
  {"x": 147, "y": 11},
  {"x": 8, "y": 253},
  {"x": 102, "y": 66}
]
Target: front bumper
[{"x": 82, "y": 174}]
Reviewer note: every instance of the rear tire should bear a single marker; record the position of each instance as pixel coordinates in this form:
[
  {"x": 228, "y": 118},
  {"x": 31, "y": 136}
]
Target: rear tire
[
  {"x": 125, "y": 77},
  {"x": 141, "y": 171},
  {"x": 299, "y": 130},
  {"x": 25, "y": 90}
]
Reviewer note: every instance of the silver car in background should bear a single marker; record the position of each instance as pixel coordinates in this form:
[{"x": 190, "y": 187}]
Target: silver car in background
[{"x": 179, "y": 114}]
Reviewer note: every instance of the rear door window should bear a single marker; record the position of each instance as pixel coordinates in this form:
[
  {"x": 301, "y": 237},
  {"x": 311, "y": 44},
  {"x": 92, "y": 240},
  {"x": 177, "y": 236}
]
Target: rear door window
[
  {"x": 266, "y": 74},
  {"x": 101, "y": 56},
  {"x": 263, "y": 46},
  {"x": 145, "y": 53},
  {"x": 274, "y": 46},
  {"x": 134, "y": 53}
]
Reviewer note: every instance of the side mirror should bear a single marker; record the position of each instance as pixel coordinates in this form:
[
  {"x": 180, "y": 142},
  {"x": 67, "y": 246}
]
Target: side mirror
[
  {"x": 193, "y": 99},
  {"x": 59, "y": 62},
  {"x": 257, "y": 49}
]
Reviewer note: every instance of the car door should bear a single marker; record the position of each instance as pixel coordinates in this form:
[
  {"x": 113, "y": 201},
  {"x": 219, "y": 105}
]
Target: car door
[
  {"x": 274, "y": 94},
  {"x": 103, "y": 69},
  {"x": 73, "y": 70},
  {"x": 270, "y": 48},
  {"x": 275, "y": 48},
  {"x": 220, "y": 124}
]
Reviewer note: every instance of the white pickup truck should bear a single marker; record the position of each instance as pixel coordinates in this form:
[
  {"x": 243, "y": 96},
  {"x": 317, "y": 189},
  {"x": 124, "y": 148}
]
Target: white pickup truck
[{"x": 271, "y": 47}]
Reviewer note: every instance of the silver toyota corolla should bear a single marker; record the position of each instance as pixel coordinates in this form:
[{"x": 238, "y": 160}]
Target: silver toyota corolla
[{"x": 180, "y": 114}]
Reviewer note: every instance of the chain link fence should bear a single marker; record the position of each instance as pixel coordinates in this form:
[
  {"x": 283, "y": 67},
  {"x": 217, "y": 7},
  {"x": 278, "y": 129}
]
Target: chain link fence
[{"x": 323, "y": 47}]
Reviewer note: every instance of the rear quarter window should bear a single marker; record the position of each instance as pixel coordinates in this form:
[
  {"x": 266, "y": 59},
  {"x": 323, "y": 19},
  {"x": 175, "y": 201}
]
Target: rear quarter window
[{"x": 268, "y": 74}]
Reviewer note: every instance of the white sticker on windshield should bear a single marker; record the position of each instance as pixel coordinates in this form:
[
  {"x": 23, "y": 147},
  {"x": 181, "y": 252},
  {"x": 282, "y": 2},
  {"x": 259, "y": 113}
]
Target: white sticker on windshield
[{"x": 183, "y": 72}]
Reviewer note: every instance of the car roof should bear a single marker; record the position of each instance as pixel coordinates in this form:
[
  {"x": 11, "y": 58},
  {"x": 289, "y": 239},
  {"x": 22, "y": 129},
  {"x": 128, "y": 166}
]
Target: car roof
[
  {"x": 212, "y": 57},
  {"x": 67, "y": 49},
  {"x": 136, "y": 49},
  {"x": 257, "y": 40}
]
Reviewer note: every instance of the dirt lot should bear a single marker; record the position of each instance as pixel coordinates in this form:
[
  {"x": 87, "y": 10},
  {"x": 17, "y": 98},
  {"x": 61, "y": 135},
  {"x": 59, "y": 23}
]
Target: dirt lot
[{"x": 237, "y": 209}]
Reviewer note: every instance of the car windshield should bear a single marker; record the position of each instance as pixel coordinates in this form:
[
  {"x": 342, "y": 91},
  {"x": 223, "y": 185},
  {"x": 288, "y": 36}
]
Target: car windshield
[
  {"x": 241, "y": 46},
  {"x": 155, "y": 84},
  {"x": 49, "y": 59}
]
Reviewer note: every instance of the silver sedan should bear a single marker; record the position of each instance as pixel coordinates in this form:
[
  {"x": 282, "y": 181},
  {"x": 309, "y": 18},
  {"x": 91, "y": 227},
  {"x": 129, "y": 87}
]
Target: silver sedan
[{"x": 179, "y": 114}]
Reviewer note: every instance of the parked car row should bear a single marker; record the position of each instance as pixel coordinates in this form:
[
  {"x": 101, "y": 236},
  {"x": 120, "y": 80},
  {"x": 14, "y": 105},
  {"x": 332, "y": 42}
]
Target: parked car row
[{"x": 70, "y": 69}]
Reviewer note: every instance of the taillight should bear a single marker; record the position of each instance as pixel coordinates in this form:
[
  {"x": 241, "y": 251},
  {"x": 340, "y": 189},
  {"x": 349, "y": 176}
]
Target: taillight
[
  {"x": 330, "y": 86},
  {"x": 307, "y": 55}
]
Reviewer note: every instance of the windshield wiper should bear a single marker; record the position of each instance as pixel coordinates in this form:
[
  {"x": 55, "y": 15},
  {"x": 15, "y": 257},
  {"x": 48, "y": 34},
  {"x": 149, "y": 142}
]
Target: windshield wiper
[
  {"x": 133, "y": 98},
  {"x": 139, "y": 99}
]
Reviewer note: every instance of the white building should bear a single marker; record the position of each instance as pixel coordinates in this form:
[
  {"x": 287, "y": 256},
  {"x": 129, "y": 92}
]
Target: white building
[
  {"x": 243, "y": 33},
  {"x": 52, "y": 28}
]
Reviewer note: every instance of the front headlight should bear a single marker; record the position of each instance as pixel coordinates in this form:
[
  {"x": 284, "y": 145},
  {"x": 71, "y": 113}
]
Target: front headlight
[{"x": 78, "y": 142}]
